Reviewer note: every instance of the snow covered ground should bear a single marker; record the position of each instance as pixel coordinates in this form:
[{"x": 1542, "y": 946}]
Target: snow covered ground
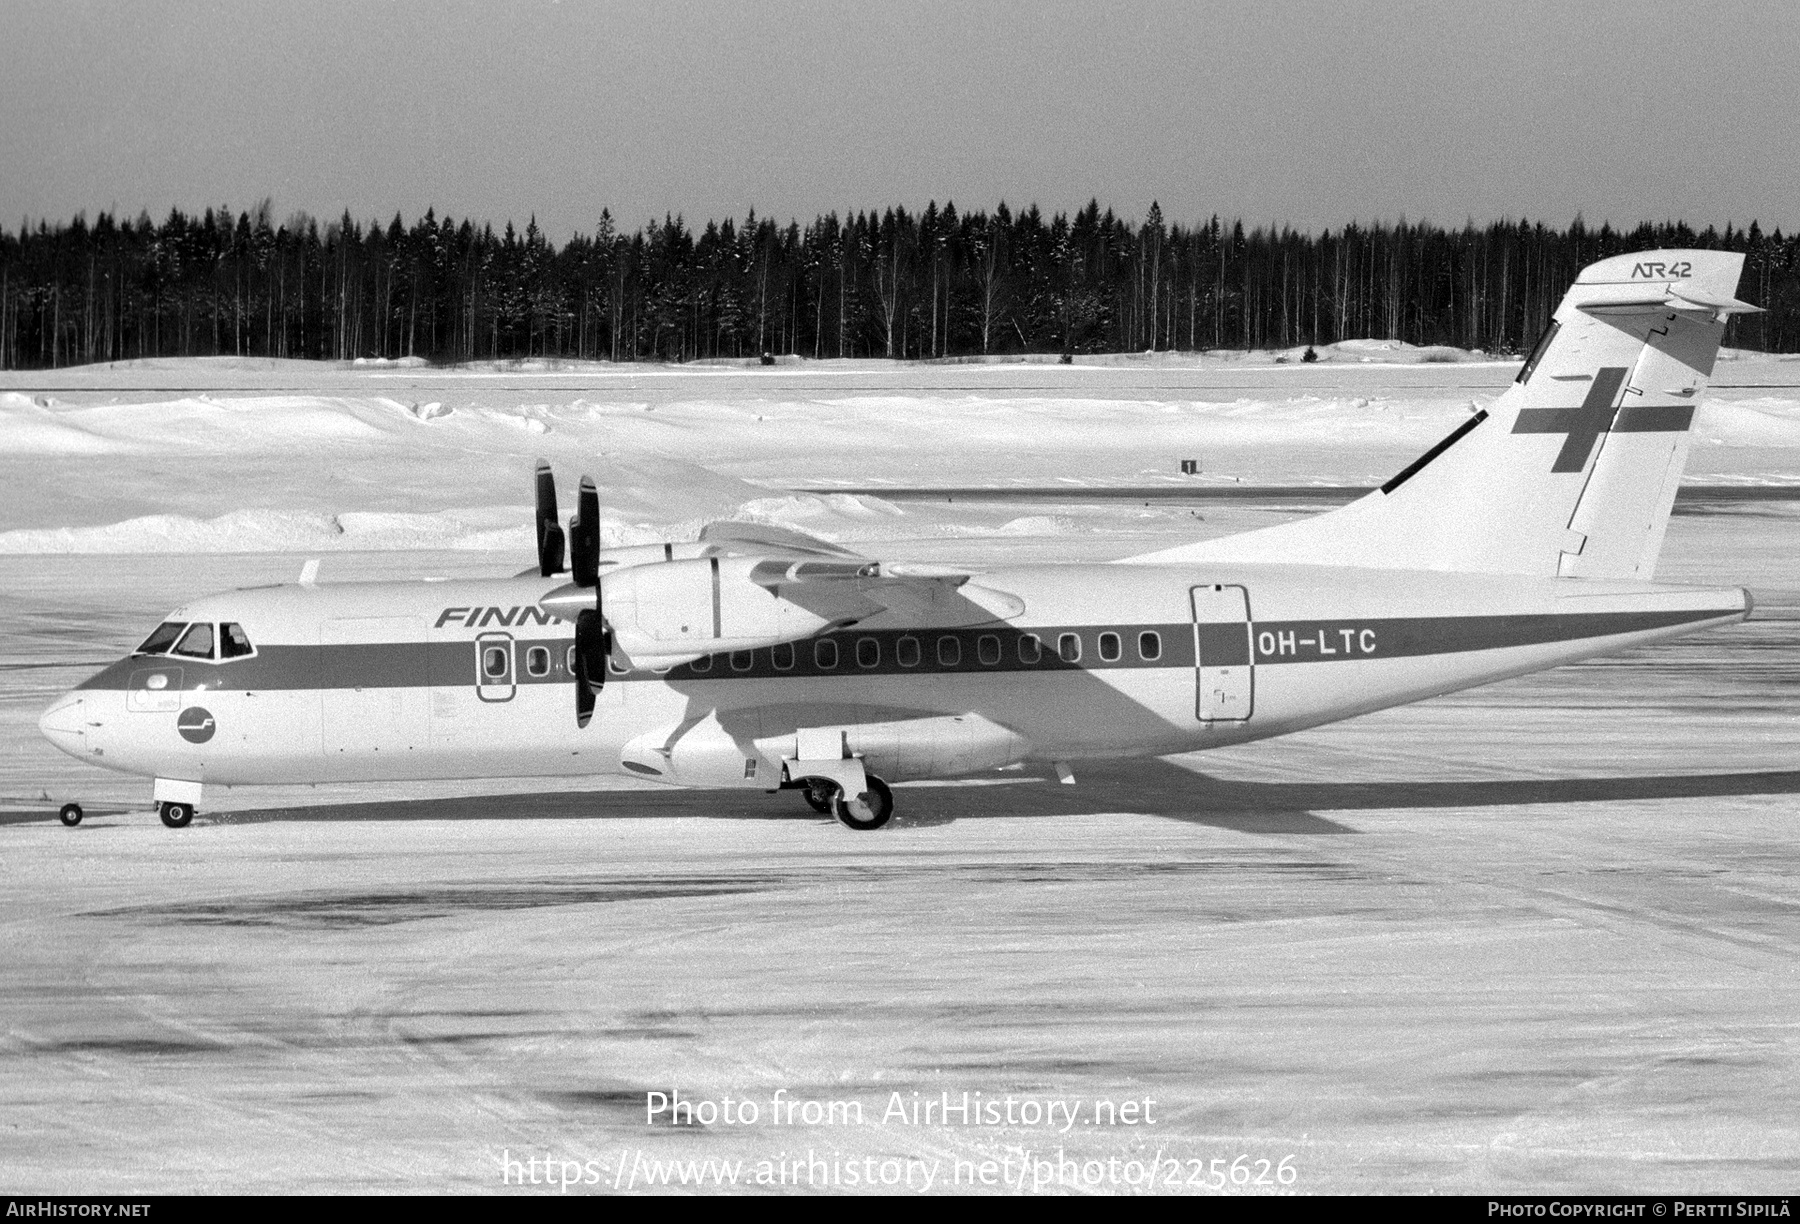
[
  {"x": 1534, "y": 937},
  {"x": 226, "y": 455}
]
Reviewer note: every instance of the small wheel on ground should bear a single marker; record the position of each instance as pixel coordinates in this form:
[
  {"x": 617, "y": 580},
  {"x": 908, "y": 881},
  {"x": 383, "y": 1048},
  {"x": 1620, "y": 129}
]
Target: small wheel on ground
[
  {"x": 869, "y": 810},
  {"x": 71, "y": 814},
  {"x": 821, "y": 797},
  {"x": 176, "y": 815}
]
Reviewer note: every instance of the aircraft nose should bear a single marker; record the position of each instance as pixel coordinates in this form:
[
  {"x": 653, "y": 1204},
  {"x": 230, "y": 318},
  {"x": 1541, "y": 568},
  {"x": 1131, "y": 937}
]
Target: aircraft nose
[{"x": 64, "y": 724}]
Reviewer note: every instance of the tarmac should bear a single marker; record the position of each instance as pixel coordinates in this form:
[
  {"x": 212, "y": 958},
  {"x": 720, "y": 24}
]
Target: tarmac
[{"x": 1536, "y": 937}]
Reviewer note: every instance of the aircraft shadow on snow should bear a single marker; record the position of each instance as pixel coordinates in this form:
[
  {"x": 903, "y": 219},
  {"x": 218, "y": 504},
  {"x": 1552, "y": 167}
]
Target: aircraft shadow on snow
[{"x": 1155, "y": 788}]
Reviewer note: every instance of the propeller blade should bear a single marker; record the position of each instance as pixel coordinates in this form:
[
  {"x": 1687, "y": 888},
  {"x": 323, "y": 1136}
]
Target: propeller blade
[
  {"x": 584, "y": 700},
  {"x": 591, "y": 649},
  {"x": 584, "y": 536},
  {"x": 549, "y": 532}
]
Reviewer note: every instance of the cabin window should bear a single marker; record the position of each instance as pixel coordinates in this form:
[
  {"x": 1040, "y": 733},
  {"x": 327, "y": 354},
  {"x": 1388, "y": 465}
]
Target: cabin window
[
  {"x": 949, "y": 651},
  {"x": 701, "y": 665},
  {"x": 617, "y": 668},
  {"x": 1149, "y": 646},
  {"x": 537, "y": 661},
  {"x": 987, "y": 649},
  {"x": 197, "y": 642},
  {"x": 906, "y": 652},
  {"x": 742, "y": 660},
  {"x": 1537, "y": 352},
  {"x": 234, "y": 643},
  {"x": 1068, "y": 647},
  {"x": 493, "y": 662},
  {"x": 569, "y": 660},
  {"x": 1031, "y": 648},
  {"x": 782, "y": 656},
  {"x": 825, "y": 654},
  {"x": 1110, "y": 650},
  {"x": 868, "y": 652}
]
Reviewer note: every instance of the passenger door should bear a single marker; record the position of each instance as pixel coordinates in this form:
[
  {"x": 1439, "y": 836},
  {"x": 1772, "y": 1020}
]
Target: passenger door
[
  {"x": 496, "y": 671},
  {"x": 1223, "y": 667}
]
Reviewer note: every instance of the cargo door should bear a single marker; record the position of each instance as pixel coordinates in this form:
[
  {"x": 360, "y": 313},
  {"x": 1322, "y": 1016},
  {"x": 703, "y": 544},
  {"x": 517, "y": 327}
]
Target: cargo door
[
  {"x": 1224, "y": 673},
  {"x": 375, "y": 686}
]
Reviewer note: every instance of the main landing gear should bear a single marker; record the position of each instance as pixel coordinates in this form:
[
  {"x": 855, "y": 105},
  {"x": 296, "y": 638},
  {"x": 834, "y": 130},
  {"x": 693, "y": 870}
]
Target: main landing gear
[
  {"x": 869, "y": 810},
  {"x": 176, "y": 801},
  {"x": 71, "y": 814}
]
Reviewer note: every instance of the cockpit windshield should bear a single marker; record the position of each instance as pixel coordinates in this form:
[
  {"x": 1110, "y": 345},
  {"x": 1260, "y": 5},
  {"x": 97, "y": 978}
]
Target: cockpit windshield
[
  {"x": 164, "y": 637},
  {"x": 234, "y": 643},
  {"x": 198, "y": 640}
]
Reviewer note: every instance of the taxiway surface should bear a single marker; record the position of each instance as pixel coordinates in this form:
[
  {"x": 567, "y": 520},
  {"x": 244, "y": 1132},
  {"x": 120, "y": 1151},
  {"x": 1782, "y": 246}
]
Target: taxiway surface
[{"x": 1538, "y": 936}]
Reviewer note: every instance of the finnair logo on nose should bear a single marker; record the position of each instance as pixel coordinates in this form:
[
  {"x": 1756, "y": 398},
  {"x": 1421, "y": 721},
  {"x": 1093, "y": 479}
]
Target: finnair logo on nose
[{"x": 195, "y": 724}]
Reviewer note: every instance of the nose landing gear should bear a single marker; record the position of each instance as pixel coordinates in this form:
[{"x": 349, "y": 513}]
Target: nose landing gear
[{"x": 71, "y": 814}]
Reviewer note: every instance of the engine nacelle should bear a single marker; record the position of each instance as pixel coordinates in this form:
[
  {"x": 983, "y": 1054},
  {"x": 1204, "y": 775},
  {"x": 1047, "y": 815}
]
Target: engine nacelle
[{"x": 680, "y": 610}]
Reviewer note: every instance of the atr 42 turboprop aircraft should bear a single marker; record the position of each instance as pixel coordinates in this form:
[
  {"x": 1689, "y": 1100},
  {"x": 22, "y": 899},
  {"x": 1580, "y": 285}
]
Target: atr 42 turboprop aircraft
[{"x": 759, "y": 658}]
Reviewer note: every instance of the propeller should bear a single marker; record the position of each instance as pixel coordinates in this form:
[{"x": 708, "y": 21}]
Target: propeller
[
  {"x": 593, "y": 640},
  {"x": 549, "y": 533}
]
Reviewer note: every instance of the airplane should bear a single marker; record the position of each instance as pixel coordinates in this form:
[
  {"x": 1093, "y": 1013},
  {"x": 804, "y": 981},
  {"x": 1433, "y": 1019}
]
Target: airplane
[{"x": 761, "y": 658}]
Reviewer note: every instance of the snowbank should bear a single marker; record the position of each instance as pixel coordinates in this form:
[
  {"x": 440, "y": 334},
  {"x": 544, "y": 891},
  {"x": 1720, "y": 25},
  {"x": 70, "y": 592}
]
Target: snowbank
[
  {"x": 284, "y": 531},
  {"x": 1755, "y": 422},
  {"x": 365, "y": 460}
]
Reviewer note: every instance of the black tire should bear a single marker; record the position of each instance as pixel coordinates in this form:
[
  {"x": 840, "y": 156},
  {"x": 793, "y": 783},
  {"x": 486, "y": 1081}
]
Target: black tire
[
  {"x": 176, "y": 815},
  {"x": 71, "y": 814},
  {"x": 870, "y": 810},
  {"x": 821, "y": 797}
]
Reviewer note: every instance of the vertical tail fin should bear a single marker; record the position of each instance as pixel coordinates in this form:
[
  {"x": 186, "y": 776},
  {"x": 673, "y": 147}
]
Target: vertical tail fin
[{"x": 1573, "y": 469}]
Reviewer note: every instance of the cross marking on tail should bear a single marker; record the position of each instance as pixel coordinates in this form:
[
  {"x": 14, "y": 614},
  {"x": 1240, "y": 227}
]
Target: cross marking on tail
[{"x": 1583, "y": 425}]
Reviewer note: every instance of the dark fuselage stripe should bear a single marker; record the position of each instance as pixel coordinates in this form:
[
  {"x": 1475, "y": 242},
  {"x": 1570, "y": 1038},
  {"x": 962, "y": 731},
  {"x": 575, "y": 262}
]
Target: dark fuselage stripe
[{"x": 458, "y": 662}]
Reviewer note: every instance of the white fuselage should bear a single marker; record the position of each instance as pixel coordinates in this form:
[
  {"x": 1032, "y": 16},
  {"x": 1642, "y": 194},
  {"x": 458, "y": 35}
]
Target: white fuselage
[{"x": 471, "y": 679}]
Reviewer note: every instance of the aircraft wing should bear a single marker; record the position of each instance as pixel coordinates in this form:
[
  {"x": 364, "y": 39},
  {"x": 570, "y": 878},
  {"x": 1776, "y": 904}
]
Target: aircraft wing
[
  {"x": 871, "y": 593},
  {"x": 838, "y": 584},
  {"x": 735, "y": 538},
  {"x": 776, "y": 587}
]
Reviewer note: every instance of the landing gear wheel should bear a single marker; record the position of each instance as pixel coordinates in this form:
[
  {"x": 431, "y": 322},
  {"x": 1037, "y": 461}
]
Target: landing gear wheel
[
  {"x": 71, "y": 814},
  {"x": 869, "y": 810},
  {"x": 176, "y": 815},
  {"x": 821, "y": 797}
]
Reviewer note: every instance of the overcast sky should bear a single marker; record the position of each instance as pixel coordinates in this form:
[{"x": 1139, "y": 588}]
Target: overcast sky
[{"x": 1310, "y": 114}]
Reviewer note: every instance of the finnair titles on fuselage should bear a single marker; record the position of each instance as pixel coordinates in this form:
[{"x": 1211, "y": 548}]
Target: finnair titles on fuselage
[{"x": 767, "y": 659}]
